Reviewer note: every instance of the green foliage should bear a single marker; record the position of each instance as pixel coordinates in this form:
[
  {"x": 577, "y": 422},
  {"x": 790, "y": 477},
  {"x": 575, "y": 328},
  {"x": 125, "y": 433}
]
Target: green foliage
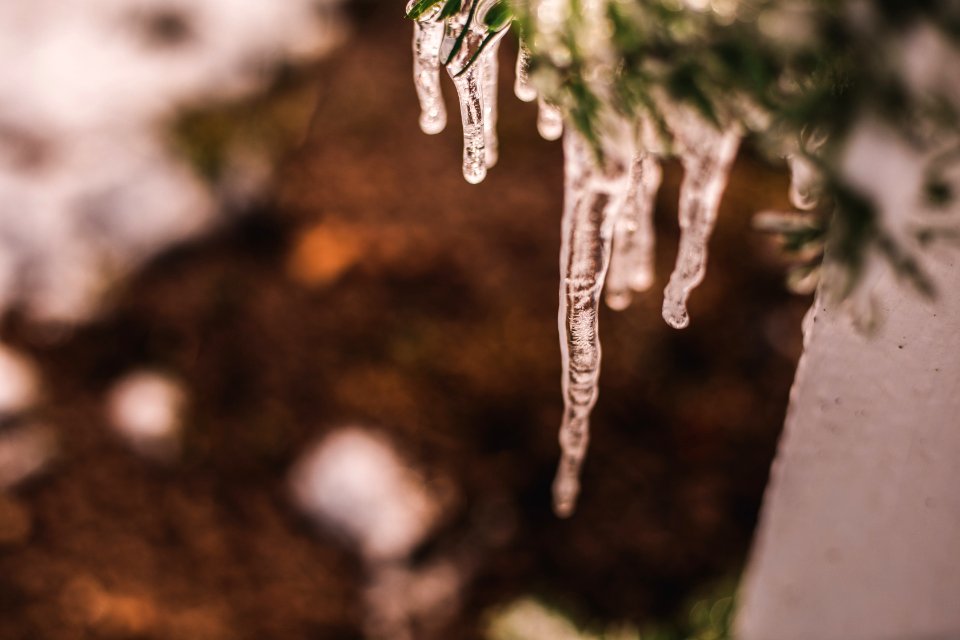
[
  {"x": 420, "y": 7},
  {"x": 264, "y": 127},
  {"x": 450, "y": 8},
  {"x": 498, "y": 16},
  {"x": 708, "y": 616}
]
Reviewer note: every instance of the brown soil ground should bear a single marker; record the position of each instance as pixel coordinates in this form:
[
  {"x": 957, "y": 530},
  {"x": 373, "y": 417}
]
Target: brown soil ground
[{"x": 379, "y": 288}]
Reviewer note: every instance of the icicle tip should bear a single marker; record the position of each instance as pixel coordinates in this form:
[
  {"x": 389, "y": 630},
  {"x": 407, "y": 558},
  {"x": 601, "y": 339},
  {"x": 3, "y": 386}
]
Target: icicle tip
[
  {"x": 675, "y": 314},
  {"x": 565, "y": 490},
  {"x": 618, "y": 300},
  {"x": 432, "y": 123}
]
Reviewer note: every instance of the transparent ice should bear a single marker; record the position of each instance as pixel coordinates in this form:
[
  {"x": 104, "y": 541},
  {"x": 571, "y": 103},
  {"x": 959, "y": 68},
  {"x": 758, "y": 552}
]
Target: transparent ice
[
  {"x": 549, "y": 120},
  {"x": 631, "y": 266},
  {"x": 468, "y": 81},
  {"x": 491, "y": 73},
  {"x": 468, "y": 50},
  {"x": 609, "y": 200},
  {"x": 706, "y": 154},
  {"x": 522, "y": 86},
  {"x": 593, "y": 196},
  {"x": 427, "y": 38}
]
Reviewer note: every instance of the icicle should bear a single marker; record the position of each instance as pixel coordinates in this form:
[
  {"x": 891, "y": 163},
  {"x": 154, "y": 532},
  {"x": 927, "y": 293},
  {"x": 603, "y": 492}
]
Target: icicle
[
  {"x": 593, "y": 196},
  {"x": 706, "y": 155},
  {"x": 522, "y": 87},
  {"x": 471, "y": 112},
  {"x": 473, "y": 67},
  {"x": 549, "y": 120},
  {"x": 468, "y": 80},
  {"x": 631, "y": 266},
  {"x": 427, "y": 38},
  {"x": 491, "y": 72}
]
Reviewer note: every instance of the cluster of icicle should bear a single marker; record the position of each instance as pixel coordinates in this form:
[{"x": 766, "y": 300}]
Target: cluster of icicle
[
  {"x": 608, "y": 236},
  {"x": 474, "y": 70}
]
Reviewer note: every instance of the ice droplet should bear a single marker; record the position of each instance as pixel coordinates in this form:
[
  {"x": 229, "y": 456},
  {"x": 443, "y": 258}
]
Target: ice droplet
[
  {"x": 593, "y": 196},
  {"x": 631, "y": 266},
  {"x": 427, "y": 37},
  {"x": 522, "y": 86},
  {"x": 549, "y": 120},
  {"x": 706, "y": 154}
]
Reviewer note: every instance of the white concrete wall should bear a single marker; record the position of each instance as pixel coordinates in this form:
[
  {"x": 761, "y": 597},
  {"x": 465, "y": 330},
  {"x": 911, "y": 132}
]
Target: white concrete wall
[{"x": 859, "y": 537}]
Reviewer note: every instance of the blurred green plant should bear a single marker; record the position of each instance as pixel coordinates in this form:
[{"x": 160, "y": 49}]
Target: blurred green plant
[
  {"x": 263, "y": 127},
  {"x": 708, "y": 616}
]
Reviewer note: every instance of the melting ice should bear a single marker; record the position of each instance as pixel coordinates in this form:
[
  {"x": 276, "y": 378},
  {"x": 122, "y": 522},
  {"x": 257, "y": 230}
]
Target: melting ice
[
  {"x": 608, "y": 235},
  {"x": 427, "y": 37},
  {"x": 631, "y": 267},
  {"x": 706, "y": 154},
  {"x": 593, "y": 196}
]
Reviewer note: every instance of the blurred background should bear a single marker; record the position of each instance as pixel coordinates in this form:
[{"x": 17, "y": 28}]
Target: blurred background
[{"x": 271, "y": 369}]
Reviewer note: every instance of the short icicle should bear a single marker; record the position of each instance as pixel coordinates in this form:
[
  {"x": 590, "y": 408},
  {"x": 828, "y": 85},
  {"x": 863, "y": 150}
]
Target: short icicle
[
  {"x": 549, "y": 120},
  {"x": 470, "y": 52},
  {"x": 471, "y": 112},
  {"x": 427, "y": 38},
  {"x": 468, "y": 80},
  {"x": 593, "y": 196},
  {"x": 631, "y": 266},
  {"x": 522, "y": 87},
  {"x": 491, "y": 73},
  {"x": 707, "y": 155}
]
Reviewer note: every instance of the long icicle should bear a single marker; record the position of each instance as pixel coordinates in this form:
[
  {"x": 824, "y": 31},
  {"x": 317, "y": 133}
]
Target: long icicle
[
  {"x": 427, "y": 38},
  {"x": 491, "y": 73},
  {"x": 593, "y": 196},
  {"x": 706, "y": 154},
  {"x": 631, "y": 266}
]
